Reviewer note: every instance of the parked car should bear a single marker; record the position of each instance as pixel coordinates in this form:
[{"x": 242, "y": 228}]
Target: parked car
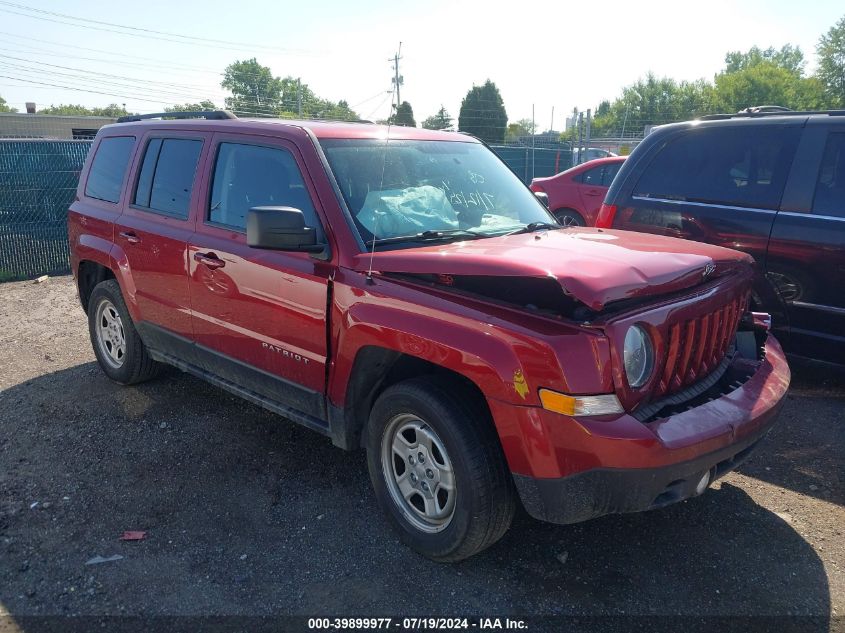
[
  {"x": 576, "y": 195},
  {"x": 589, "y": 153},
  {"x": 771, "y": 184},
  {"x": 400, "y": 290}
]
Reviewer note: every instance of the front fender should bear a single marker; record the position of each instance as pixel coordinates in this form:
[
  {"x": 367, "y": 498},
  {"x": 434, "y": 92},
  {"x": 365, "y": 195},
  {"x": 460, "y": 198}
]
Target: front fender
[{"x": 507, "y": 359}]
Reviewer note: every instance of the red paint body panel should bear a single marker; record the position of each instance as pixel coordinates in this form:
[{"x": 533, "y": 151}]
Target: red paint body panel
[
  {"x": 543, "y": 444},
  {"x": 328, "y": 311},
  {"x": 566, "y": 192},
  {"x": 594, "y": 266}
]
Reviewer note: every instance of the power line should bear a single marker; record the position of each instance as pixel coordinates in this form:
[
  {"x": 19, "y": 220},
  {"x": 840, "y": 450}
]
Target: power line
[{"x": 139, "y": 32}]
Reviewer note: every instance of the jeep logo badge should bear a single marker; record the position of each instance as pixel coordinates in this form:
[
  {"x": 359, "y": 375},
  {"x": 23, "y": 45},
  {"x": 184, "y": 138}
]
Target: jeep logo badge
[{"x": 709, "y": 269}]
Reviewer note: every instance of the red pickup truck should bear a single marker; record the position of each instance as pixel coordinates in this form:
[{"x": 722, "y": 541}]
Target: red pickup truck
[{"x": 400, "y": 290}]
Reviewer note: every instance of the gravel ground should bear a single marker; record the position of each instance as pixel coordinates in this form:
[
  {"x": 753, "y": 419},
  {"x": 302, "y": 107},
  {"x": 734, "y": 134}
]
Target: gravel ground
[{"x": 246, "y": 513}]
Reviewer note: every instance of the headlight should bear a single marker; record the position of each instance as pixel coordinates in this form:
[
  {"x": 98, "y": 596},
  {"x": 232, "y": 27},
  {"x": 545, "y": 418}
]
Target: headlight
[{"x": 638, "y": 356}]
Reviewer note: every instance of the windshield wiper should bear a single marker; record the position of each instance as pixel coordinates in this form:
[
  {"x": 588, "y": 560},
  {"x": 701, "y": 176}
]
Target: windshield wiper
[
  {"x": 534, "y": 226},
  {"x": 428, "y": 236}
]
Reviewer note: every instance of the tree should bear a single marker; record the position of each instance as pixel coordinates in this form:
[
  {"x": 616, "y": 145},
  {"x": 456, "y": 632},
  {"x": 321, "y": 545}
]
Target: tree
[
  {"x": 4, "y": 107},
  {"x": 112, "y": 110},
  {"x": 206, "y": 104},
  {"x": 831, "y": 71},
  {"x": 404, "y": 115},
  {"x": 440, "y": 121},
  {"x": 788, "y": 57},
  {"x": 66, "y": 109},
  {"x": 767, "y": 83},
  {"x": 483, "y": 113},
  {"x": 254, "y": 88},
  {"x": 652, "y": 101},
  {"x": 520, "y": 129}
]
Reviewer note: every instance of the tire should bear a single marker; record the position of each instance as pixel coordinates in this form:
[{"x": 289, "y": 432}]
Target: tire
[
  {"x": 568, "y": 217},
  {"x": 471, "y": 496},
  {"x": 119, "y": 350}
]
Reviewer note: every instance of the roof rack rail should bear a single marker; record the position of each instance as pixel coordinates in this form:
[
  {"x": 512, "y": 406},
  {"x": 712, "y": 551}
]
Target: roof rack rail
[
  {"x": 766, "y": 111},
  {"x": 197, "y": 114}
]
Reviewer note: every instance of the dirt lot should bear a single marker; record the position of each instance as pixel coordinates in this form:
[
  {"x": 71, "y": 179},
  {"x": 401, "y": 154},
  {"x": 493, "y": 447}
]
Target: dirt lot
[{"x": 249, "y": 514}]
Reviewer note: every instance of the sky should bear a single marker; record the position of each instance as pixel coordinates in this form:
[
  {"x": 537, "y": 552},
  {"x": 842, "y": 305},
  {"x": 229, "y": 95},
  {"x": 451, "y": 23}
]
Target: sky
[{"x": 543, "y": 56}]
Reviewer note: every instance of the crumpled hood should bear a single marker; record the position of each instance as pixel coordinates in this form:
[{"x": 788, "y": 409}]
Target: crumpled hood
[{"x": 595, "y": 266}]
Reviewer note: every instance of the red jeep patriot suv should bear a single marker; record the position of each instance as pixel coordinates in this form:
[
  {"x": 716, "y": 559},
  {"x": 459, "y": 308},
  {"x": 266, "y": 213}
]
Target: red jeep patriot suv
[{"x": 401, "y": 290}]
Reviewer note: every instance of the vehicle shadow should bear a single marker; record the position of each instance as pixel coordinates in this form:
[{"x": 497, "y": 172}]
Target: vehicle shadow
[
  {"x": 805, "y": 451},
  {"x": 248, "y": 514}
]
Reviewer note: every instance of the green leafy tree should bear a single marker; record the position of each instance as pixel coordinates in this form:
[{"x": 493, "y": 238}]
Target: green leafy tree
[
  {"x": 652, "y": 101},
  {"x": 440, "y": 121},
  {"x": 66, "y": 109},
  {"x": 767, "y": 83},
  {"x": 4, "y": 107},
  {"x": 111, "y": 110},
  {"x": 483, "y": 113},
  {"x": 831, "y": 71},
  {"x": 519, "y": 129},
  {"x": 206, "y": 104},
  {"x": 254, "y": 88},
  {"x": 788, "y": 57},
  {"x": 404, "y": 115}
]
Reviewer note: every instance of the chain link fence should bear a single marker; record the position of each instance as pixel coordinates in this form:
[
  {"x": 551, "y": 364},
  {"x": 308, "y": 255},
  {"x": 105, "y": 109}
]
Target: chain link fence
[{"x": 38, "y": 180}]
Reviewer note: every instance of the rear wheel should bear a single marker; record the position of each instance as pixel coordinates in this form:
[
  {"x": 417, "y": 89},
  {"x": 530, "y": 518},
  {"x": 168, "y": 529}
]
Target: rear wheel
[
  {"x": 118, "y": 347},
  {"x": 438, "y": 470},
  {"x": 568, "y": 217}
]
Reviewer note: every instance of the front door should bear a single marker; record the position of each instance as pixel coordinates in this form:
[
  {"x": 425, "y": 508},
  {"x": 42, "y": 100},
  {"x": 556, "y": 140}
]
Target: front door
[{"x": 259, "y": 316}]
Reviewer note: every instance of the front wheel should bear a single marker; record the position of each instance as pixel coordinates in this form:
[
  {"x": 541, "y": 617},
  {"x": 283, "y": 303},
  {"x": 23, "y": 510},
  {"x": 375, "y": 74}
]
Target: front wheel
[{"x": 438, "y": 470}]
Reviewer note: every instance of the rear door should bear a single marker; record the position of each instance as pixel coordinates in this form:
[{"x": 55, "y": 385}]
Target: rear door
[
  {"x": 806, "y": 258},
  {"x": 154, "y": 228},
  {"x": 593, "y": 187},
  {"x": 259, "y": 316}
]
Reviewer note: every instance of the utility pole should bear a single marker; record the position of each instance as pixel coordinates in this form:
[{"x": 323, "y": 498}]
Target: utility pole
[
  {"x": 552, "y": 126},
  {"x": 533, "y": 132},
  {"x": 580, "y": 138},
  {"x": 398, "y": 79},
  {"x": 299, "y": 97},
  {"x": 589, "y": 125}
]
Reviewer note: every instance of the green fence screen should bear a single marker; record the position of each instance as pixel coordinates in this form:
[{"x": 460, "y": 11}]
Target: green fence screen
[{"x": 38, "y": 181}]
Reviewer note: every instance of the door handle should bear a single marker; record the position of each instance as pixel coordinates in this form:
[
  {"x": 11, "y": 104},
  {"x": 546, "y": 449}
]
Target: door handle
[
  {"x": 130, "y": 237},
  {"x": 209, "y": 259},
  {"x": 593, "y": 192}
]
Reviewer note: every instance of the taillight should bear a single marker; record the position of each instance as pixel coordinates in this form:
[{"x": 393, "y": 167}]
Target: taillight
[{"x": 604, "y": 220}]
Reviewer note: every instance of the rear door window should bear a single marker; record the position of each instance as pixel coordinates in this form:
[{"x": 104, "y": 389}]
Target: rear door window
[
  {"x": 167, "y": 175},
  {"x": 593, "y": 176},
  {"x": 829, "y": 198},
  {"x": 105, "y": 179},
  {"x": 734, "y": 166}
]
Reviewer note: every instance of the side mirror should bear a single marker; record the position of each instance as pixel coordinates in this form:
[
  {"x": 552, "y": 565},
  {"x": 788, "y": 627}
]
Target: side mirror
[
  {"x": 280, "y": 229},
  {"x": 543, "y": 197}
]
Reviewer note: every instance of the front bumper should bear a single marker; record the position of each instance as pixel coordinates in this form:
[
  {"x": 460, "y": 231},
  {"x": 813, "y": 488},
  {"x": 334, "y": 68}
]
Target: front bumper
[{"x": 569, "y": 470}]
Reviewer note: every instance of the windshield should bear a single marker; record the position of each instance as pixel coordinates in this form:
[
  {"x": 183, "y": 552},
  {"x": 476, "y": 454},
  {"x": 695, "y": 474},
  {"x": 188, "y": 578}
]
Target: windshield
[{"x": 428, "y": 190}]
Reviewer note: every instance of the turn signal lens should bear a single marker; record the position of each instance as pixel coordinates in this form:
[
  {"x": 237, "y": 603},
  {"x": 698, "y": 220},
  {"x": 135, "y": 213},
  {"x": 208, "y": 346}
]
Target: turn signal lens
[{"x": 606, "y": 404}]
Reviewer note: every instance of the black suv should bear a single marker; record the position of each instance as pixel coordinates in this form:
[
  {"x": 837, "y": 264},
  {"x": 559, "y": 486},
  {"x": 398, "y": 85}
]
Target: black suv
[{"x": 771, "y": 184}]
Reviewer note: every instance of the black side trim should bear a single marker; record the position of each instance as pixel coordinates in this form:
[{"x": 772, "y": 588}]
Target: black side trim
[{"x": 274, "y": 393}]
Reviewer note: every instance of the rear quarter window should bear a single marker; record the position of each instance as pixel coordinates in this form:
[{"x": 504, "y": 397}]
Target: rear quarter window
[
  {"x": 105, "y": 178},
  {"x": 731, "y": 165}
]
